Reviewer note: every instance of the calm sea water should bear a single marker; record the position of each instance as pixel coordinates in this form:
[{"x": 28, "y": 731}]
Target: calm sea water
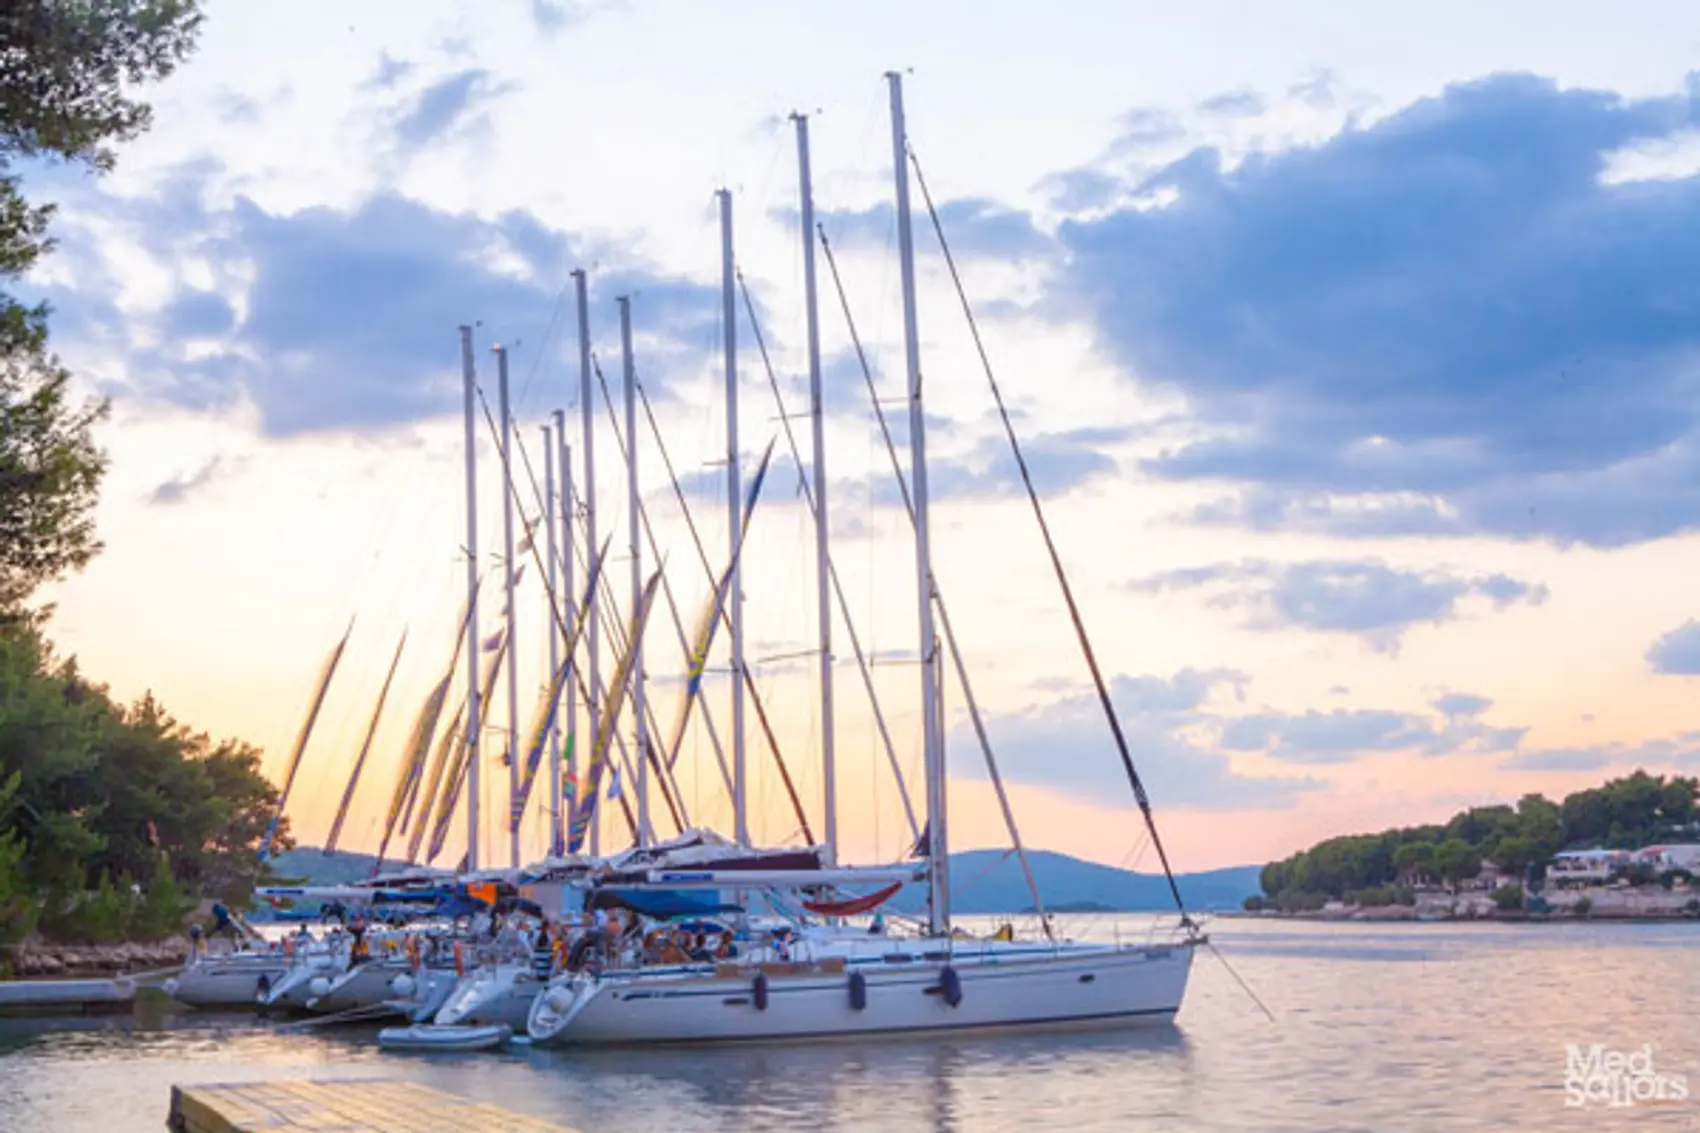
[{"x": 1420, "y": 1028}]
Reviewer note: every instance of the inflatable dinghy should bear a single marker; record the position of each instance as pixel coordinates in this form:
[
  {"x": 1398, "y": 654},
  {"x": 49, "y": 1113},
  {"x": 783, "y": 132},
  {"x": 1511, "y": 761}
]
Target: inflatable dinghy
[{"x": 428, "y": 1036}]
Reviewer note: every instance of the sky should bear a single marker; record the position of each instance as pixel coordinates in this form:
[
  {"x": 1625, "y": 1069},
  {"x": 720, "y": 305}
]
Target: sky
[{"x": 1352, "y": 348}]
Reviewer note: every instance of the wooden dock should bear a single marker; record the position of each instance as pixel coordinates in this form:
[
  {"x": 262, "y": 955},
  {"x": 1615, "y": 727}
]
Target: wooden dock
[{"x": 344, "y": 1106}]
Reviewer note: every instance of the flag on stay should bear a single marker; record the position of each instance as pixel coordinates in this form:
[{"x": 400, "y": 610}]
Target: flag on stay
[
  {"x": 614, "y": 785},
  {"x": 618, "y": 685},
  {"x": 543, "y": 720},
  {"x": 711, "y": 614}
]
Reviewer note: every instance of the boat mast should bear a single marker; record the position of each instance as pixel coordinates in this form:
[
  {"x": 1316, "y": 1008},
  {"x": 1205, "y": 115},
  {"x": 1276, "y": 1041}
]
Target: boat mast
[
  {"x": 564, "y": 461},
  {"x": 508, "y": 565},
  {"x": 734, "y": 519},
  {"x": 552, "y": 565},
  {"x": 593, "y": 629},
  {"x": 469, "y": 375},
  {"x": 938, "y": 843},
  {"x": 817, "y": 418},
  {"x": 641, "y": 752}
]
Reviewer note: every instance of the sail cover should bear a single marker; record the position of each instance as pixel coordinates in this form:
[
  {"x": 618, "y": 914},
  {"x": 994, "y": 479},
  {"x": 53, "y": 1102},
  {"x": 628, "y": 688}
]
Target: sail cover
[
  {"x": 854, "y": 905},
  {"x": 660, "y": 902}
]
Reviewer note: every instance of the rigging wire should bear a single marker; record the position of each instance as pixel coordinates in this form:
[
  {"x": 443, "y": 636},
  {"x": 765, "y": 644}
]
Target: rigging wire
[
  {"x": 725, "y": 616},
  {"x": 555, "y": 606},
  {"x": 1134, "y": 780},
  {"x": 831, "y": 569},
  {"x": 937, "y": 595},
  {"x": 667, "y": 591}
]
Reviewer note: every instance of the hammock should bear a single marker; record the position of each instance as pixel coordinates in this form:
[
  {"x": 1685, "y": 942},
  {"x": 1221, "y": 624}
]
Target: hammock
[{"x": 854, "y": 905}]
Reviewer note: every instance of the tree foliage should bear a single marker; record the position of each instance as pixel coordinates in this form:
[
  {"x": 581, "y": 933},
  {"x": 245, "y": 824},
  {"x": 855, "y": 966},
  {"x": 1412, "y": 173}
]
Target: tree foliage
[
  {"x": 1628, "y": 813},
  {"x": 68, "y": 75},
  {"x": 92, "y": 789}
]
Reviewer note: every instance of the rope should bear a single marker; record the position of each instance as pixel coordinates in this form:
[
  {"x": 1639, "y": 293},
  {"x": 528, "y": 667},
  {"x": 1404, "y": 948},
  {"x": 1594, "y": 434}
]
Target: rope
[{"x": 1139, "y": 793}]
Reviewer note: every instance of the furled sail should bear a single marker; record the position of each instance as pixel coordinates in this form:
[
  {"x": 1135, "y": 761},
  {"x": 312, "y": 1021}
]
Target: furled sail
[
  {"x": 617, "y": 688},
  {"x": 711, "y": 615},
  {"x": 301, "y": 738},
  {"x": 463, "y": 760},
  {"x": 549, "y": 706},
  {"x": 365, "y": 750}
]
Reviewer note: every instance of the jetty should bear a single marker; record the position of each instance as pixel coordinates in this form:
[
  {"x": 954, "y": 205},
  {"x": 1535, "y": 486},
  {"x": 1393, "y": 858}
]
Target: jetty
[
  {"x": 351, "y": 1105},
  {"x": 66, "y": 997}
]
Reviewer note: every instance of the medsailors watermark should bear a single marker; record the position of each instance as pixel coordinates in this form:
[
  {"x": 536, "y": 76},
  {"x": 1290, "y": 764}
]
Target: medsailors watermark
[{"x": 1598, "y": 1075}]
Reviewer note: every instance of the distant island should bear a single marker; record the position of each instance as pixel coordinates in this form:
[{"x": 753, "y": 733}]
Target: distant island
[
  {"x": 1629, "y": 848},
  {"x": 1073, "y": 907}
]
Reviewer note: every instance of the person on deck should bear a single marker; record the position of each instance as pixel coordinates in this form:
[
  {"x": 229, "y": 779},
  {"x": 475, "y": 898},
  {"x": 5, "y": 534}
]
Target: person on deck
[
  {"x": 358, "y": 952},
  {"x": 542, "y": 953}
]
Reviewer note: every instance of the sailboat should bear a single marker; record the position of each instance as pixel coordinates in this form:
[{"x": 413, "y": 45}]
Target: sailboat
[{"x": 820, "y": 981}]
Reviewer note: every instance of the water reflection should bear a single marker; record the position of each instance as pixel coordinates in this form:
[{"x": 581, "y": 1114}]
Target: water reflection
[{"x": 1417, "y": 1028}]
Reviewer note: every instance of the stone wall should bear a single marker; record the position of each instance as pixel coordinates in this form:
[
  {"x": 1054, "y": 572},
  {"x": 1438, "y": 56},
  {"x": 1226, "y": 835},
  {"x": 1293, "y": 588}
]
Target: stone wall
[{"x": 38, "y": 959}]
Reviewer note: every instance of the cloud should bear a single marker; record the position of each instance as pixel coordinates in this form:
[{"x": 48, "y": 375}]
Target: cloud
[
  {"x": 180, "y": 488},
  {"x": 1233, "y": 104},
  {"x": 1678, "y": 751},
  {"x": 1341, "y": 735},
  {"x": 452, "y": 106},
  {"x": 1058, "y": 463},
  {"x": 334, "y": 319},
  {"x": 975, "y": 226},
  {"x": 1456, "y": 705},
  {"x": 1558, "y": 759},
  {"x": 1367, "y": 599},
  {"x": 1447, "y": 322},
  {"x": 388, "y": 73},
  {"x": 1065, "y": 744},
  {"x": 1677, "y": 652},
  {"x": 553, "y": 16}
]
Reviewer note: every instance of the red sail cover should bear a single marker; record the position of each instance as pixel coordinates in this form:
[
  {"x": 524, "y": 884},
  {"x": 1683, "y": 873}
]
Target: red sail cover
[{"x": 854, "y": 905}]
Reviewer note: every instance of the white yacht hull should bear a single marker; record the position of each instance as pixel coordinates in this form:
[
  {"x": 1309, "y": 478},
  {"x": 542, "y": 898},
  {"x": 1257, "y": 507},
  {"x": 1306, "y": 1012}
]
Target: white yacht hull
[
  {"x": 499, "y": 994},
  {"x": 999, "y": 989},
  {"x": 306, "y": 980},
  {"x": 365, "y": 985},
  {"x": 232, "y": 980}
]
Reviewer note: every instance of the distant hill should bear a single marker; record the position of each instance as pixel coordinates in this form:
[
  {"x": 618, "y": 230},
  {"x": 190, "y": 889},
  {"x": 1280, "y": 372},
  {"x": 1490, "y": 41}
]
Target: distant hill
[
  {"x": 315, "y": 867},
  {"x": 981, "y": 881},
  {"x": 990, "y": 881}
]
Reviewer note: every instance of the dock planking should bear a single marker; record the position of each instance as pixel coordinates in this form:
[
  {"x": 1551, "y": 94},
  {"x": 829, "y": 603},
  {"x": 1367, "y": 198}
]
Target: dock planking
[{"x": 368, "y": 1105}]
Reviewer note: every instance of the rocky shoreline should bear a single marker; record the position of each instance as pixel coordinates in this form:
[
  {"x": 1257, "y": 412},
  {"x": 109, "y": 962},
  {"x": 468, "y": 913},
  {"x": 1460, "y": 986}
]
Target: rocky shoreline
[
  {"x": 1645, "y": 905},
  {"x": 39, "y": 959}
]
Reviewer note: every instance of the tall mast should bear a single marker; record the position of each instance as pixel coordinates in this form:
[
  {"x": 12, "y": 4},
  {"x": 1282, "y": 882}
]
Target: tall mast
[
  {"x": 641, "y": 752},
  {"x": 817, "y": 418},
  {"x": 938, "y": 844},
  {"x": 552, "y": 565},
  {"x": 508, "y": 565},
  {"x": 593, "y": 630},
  {"x": 564, "y": 461},
  {"x": 734, "y": 519},
  {"x": 474, "y": 722}
]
